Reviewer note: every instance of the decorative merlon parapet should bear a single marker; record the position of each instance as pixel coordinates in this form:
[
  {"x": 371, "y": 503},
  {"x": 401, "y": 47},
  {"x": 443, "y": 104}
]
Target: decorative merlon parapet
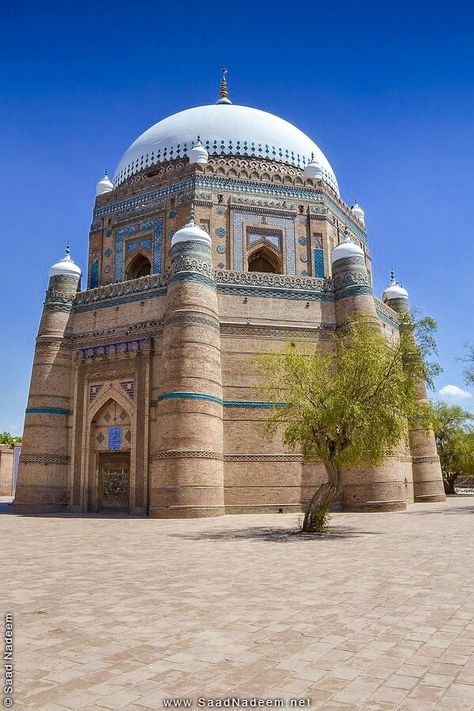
[
  {"x": 122, "y": 288},
  {"x": 385, "y": 313},
  {"x": 263, "y": 279}
]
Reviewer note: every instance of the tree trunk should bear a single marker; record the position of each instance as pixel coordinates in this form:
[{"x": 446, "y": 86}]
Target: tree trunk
[
  {"x": 449, "y": 481},
  {"x": 320, "y": 502}
]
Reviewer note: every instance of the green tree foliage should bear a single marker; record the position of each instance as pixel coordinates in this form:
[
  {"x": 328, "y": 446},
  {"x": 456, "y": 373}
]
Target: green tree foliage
[
  {"x": 469, "y": 370},
  {"x": 350, "y": 404},
  {"x": 454, "y": 432},
  {"x": 7, "y": 438}
]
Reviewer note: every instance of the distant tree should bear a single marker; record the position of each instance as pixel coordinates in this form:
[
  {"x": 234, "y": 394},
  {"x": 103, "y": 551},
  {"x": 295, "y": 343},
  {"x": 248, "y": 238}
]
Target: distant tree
[
  {"x": 351, "y": 405},
  {"x": 454, "y": 432},
  {"x": 469, "y": 370},
  {"x": 7, "y": 438}
]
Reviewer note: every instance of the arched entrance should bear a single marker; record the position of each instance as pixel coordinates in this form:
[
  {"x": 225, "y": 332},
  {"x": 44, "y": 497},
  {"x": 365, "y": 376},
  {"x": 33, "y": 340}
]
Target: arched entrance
[
  {"x": 264, "y": 259},
  {"x": 111, "y": 436},
  {"x": 140, "y": 266}
]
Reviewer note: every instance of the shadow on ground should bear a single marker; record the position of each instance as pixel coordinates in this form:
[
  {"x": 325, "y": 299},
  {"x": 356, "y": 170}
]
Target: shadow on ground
[
  {"x": 278, "y": 535},
  {"x": 7, "y": 508}
]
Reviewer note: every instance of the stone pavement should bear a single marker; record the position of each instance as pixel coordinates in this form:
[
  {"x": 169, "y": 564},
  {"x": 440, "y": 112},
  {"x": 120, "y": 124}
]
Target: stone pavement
[{"x": 119, "y": 613}]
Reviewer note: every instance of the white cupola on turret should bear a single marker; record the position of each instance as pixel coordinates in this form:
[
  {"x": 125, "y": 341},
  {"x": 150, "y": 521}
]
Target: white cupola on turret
[
  {"x": 198, "y": 153},
  {"x": 358, "y": 212},
  {"x": 66, "y": 266},
  {"x": 191, "y": 233},
  {"x": 313, "y": 169},
  {"x": 394, "y": 290},
  {"x": 104, "y": 185},
  {"x": 346, "y": 248}
]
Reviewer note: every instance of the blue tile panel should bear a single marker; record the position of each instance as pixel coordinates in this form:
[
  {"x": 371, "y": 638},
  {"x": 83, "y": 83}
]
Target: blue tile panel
[
  {"x": 47, "y": 411},
  {"x": 94, "y": 275},
  {"x": 156, "y": 226},
  {"x": 217, "y": 400},
  {"x": 114, "y": 437},
  {"x": 318, "y": 263}
]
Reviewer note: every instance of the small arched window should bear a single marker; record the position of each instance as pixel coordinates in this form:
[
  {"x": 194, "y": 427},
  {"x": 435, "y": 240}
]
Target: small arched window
[
  {"x": 139, "y": 267},
  {"x": 264, "y": 260}
]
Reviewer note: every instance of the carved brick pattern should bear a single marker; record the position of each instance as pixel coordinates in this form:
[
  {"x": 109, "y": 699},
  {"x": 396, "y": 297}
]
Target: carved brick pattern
[
  {"x": 425, "y": 460},
  {"x": 127, "y": 385},
  {"x": 44, "y": 459},
  {"x": 386, "y": 314},
  {"x": 94, "y": 391},
  {"x": 58, "y": 308},
  {"x": 53, "y": 344},
  {"x": 125, "y": 288},
  {"x": 185, "y": 454},
  {"x": 183, "y": 263},
  {"x": 62, "y": 297},
  {"x": 280, "y": 332},
  {"x": 263, "y": 457},
  {"x": 273, "y": 280},
  {"x": 193, "y": 318},
  {"x": 352, "y": 278}
]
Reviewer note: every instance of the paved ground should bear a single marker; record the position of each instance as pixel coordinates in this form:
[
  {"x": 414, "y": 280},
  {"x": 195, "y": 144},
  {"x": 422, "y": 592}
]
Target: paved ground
[{"x": 121, "y": 613}]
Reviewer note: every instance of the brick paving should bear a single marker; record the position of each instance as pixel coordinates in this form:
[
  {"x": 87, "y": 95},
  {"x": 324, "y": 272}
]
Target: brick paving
[{"x": 119, "y": 613}]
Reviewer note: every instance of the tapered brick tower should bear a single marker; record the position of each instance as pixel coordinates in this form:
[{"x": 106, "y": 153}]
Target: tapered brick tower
[
  {"x": 44, "y": 462},
  {"x": 187, "y": 475},
  {"x": 427, "y": 477},
  {"x": 381, "y": 488}
]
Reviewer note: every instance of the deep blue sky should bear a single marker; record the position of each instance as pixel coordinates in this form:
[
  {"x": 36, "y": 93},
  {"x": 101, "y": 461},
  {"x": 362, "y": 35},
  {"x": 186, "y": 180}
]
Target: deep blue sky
[{"x": 385, "y": 89}]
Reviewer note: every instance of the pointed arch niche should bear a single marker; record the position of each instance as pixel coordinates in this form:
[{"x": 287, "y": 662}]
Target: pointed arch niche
[
  {"x": 264, "y": 251},
  {"x": 138, "y": 266},
  {"x": 111, "y": 436}
]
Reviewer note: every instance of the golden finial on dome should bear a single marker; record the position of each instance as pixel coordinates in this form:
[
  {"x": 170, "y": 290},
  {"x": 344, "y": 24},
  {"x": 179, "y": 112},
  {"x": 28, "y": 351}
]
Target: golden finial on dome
[{"x": 223, "y": 93}]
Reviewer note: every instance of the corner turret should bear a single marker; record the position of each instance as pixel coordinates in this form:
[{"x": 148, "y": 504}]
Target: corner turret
[
  {"x": 187, "y": 468},
  {"x": 427, "y": 477},
  {"x": 44, "y": 463}
]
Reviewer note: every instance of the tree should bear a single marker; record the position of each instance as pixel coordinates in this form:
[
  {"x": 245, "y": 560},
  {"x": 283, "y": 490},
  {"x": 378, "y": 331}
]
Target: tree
[
  {"x": 7, "y": 438},
  {"x": 352, "y": 404},
  {"x": 469, "y": 360},
  {"x": 454, "y": 432}
]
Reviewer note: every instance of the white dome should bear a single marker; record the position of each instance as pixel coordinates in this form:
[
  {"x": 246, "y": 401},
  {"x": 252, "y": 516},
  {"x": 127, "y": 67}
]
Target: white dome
[
  {"x": 191, "y": 233},
  {"x": 104, "y": 185},
  {"x": 346, "y": 248},
  {"x": 394, "y": 291},
  {"x": 65, "y": 267},
  {"x": 198, "y": 154},
  {"x": 225, "y": 129},
  {"x": 358, "y": 212},
  {"x": 314, "y": 170}
]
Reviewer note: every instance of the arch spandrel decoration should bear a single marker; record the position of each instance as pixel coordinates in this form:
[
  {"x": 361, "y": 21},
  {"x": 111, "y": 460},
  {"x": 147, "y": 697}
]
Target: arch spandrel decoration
[
  {"x": 244, "y": 221},
  {"x": 112, "y": 429},
  {"x": 101, "y": 393}
]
